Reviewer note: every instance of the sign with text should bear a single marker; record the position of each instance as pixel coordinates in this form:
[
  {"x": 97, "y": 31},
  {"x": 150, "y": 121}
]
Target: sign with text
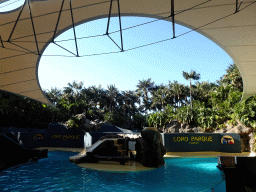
[
  {"x": 193, "y": 142},
  {"x": 193, "y": 139},
  {"x": 65, "y": 137}
]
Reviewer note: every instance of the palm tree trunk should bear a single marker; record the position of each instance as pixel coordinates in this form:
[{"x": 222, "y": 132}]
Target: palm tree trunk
[
  {"x": 175, "y": 103},
  {"x": 178, "y": 102},
  {"x": 190, "y": 93}
]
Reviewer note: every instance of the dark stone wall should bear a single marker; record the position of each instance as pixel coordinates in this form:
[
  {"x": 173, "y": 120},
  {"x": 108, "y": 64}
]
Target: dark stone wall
[
  {"x": 55, "y": 136},
  {"x": 195, "y": 142}
]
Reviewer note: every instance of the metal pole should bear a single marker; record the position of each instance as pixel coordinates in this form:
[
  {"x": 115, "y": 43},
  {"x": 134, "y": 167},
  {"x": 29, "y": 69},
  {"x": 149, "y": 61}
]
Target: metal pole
[
  {"x": 121, "y": 36},
  {"x": 172, "y": 14},
  {"x": 17, "y": 21},
  {"x": 236, "y": 6},
  {"x": 1, "y": 41},
  {"x": 57, "y": 24},
  {"x": 110, "y": 8},
  {"x": 73, "y": 27},
  {"x": 33, "y": 27}
]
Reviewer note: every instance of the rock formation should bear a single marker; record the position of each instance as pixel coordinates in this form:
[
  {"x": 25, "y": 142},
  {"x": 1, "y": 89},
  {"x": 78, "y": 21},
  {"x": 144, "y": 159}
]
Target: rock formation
[
  {"x": 79, "y": 121},
  {"x": 172, "y": 127},
  {"x": 175, "y": 126},
  {"x": 252, "y": 141},
  {"x": 152, "y": 149}
]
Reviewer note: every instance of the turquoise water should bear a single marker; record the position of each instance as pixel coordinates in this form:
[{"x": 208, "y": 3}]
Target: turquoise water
[{"x": 57, "y": 174}]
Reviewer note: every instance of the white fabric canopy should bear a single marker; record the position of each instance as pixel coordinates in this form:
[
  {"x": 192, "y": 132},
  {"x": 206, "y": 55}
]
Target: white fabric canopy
[{"x": 25, "y": 34}]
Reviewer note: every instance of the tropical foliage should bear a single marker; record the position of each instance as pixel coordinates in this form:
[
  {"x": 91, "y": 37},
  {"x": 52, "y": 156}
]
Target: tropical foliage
[{"x": 204, "y": 104}]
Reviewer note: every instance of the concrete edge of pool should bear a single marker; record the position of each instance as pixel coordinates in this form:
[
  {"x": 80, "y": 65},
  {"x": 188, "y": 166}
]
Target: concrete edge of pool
[
  {"x": 168, "y": 154},
  {"x": 135, "y": 166}
]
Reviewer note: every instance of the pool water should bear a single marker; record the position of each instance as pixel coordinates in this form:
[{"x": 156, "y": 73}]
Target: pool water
[{"x": 57, "y": 174}]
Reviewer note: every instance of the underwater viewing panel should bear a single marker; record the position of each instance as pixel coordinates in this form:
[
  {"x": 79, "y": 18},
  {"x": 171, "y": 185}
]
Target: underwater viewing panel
[{"x": 194, "y": 142}]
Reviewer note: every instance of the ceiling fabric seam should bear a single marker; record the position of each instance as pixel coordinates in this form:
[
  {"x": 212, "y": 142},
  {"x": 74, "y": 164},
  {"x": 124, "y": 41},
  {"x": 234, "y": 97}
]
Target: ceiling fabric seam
[
  {"x": 17, "y": 70},
  {"x": 54, "y": 12},
  {"x": 181, "y": 11},
  {"x": 177, "y": 36},
  {"x": 19, "y": 82}
]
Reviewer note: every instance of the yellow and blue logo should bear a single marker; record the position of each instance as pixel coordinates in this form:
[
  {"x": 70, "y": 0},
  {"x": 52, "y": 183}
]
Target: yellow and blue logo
[
  {"x": 227, "y": 140},
  {"x": 38, "y": 137}
]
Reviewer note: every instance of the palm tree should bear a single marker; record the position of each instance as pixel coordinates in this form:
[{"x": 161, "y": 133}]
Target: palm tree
[
  {"x": 53, "y": 95},
  {"x": 191, "y": 76},
  {"x": 74, "y": 89},
  {"x": 130, "y": 99},
  {"x": 177, "y": 90},
  {"x": 72, "y": 97},
  {"x": 203, "y": 90},
  {"x": 233, "y": 77},
  {"x": 94, "y": 99},
  {"x": 161, "y": 98},
  {"x": 112, "y": 93},
  {"x": 144, "y": 87},
  {"x": 95, "y": 96}
]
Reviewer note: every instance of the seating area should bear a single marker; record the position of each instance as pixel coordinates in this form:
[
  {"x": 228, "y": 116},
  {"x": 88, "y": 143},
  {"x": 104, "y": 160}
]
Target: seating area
[{"x": 15, "y": 155}]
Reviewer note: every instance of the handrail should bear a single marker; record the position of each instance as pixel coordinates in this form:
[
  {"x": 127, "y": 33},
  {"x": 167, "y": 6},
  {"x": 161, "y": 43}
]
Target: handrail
[{"x": 14, "y": 142}]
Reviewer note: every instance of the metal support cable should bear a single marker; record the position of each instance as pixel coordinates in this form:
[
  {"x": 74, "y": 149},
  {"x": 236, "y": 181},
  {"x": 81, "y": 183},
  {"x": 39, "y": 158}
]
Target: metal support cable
[
  {"x": 110, "y": 8},
  {"x": 1, "y": 42},
  {"x": 248, "y": 5},
  {"x": 120, "y": 25},
  {"x": 115, "y": 43},
  {"x": 54, "y": 12},
  {"x": 15, "y": 49},
  {"x": 32, "y": 23},
  {"x": 73, "y": 24},
  {"x": 64, "y": 48},
  {"x": 23, "y": 48},
  {"x": 191, "y": 8},
  {"x": 238, "y": 6},
  {"x": 165, "y": 39},
  {"x": 188, "y": 31},
  {"x": 16, "y": 21},
  {"x": 162, "y": 18},
  {"x": 43, "y": 33},
  {"x": 57, "y": 24}
]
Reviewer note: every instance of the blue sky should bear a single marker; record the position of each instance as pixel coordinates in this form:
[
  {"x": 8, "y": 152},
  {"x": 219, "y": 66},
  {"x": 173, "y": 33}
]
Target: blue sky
[
  {"x": 161, "y": 62},
  {"x": 8, "y": 5}
]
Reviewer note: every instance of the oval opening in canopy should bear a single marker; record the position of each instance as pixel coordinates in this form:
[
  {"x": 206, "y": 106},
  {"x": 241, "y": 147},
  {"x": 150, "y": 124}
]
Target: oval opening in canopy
[
  {"x": 147, "y": 54},
  {"x": 10, "y": 5}
]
